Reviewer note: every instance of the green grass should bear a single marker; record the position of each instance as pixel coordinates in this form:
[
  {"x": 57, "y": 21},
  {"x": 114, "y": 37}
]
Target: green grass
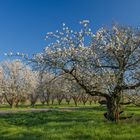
[{"x": 87, "y": 124}]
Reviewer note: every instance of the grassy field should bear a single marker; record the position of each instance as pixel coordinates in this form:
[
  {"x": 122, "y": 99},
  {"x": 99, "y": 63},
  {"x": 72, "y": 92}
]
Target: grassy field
[{"x": 86, "y": 124}]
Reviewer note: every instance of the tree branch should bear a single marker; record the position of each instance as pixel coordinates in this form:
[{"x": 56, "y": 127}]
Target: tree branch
[
  {"x": 88, "y": 91},
  {"x": 125, "y": 87}
]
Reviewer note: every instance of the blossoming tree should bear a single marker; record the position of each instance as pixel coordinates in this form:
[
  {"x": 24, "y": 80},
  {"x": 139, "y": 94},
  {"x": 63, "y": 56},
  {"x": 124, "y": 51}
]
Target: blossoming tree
[
  {"x": 103, "y": 64},
  {"x": 17, "y": 80}
]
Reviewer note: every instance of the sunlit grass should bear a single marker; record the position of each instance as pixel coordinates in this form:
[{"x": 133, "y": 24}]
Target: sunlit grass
[{"x": 86, "y": 124}]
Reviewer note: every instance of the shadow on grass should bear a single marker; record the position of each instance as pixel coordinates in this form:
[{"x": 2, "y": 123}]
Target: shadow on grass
[
  {"x": 54, "y": 125},
  {"x": 132, "y": 108},
  {"x": 51, "y": 120},
  {"x": 4, "y": 135},
  {"x": 35, "y": 119},
  {"x": 79, "y": 136},
  {"x": 63, "y": 116}
]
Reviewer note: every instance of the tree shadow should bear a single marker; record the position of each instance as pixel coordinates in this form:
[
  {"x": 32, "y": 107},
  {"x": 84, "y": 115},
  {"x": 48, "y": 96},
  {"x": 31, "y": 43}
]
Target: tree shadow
[
  {"x": 132, "y": 109},
  {"x": 60, "y": 121},
  {"x": 81, "y": 136},
  {"x": 39, "y": 118},
  {"x": 4, "y": 135}
]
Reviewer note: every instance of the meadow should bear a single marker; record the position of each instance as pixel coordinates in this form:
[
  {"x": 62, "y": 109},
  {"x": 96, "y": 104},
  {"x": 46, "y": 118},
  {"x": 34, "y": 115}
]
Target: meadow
[{"x": 80, "y": 124}]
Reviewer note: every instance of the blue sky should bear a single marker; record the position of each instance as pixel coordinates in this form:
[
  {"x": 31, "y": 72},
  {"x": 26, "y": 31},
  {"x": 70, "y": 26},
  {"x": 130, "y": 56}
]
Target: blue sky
[{"x": 24, "y": 23}]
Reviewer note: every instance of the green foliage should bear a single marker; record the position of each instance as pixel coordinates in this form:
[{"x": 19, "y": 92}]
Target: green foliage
[{"x": 86, "y": 124}]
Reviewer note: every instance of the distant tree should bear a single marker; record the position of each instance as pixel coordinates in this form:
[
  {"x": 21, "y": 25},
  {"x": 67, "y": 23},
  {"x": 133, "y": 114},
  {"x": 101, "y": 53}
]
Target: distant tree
[{"x": 17, "y": 81}]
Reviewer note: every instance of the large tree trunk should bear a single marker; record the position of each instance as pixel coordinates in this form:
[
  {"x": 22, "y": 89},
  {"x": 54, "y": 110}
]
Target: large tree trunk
[{"x": 113, "y": 108}]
